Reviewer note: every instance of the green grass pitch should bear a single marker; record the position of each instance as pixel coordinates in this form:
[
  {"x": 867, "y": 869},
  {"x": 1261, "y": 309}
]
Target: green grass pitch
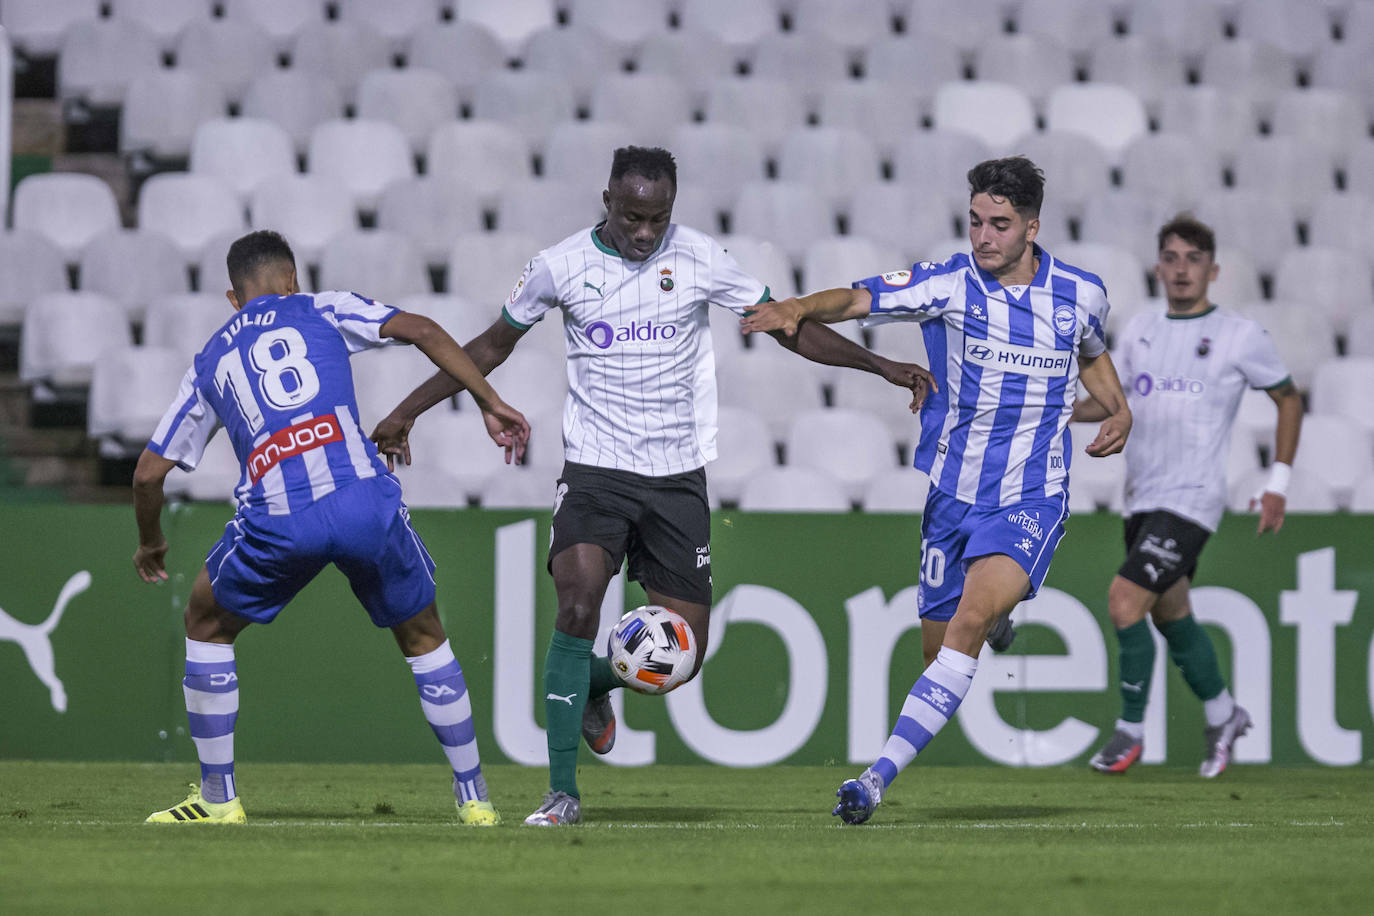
[{"x": 383, "y": 838}]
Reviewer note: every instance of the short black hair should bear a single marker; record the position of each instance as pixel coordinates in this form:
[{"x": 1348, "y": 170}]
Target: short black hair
[
  {"x": 1014, "y": 178},
  {"x": 1192, "y": 230},
  {"x": 253, "y": 252},
  {"x": 652, "y": 163}
]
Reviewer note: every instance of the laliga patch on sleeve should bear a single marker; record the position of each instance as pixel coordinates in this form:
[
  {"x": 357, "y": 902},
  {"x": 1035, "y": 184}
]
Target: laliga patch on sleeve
[
  {"x": 897, "y": 278},
  {"x": 520, "y": 284}
]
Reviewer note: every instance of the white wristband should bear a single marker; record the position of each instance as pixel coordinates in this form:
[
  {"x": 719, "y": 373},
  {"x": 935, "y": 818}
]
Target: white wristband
[{"x": 1279, "y": 473}]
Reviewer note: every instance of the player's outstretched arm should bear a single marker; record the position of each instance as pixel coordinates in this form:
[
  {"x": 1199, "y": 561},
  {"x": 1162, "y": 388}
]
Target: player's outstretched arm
[
  {"x": 1273, "y": 502},
  {"x": 149, "y": 475},
  {"x": 1099, "y": 377},
  {"x": 828, "y": 306},
  {"x": 506, "y": 425},
  {"x": 821, "y": 344}
]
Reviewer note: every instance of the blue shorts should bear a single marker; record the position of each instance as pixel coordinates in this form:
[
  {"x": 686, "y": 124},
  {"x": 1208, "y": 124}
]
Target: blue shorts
[
  {"x": 263, "y": 560},
  {"x": 954, "y": 534}
]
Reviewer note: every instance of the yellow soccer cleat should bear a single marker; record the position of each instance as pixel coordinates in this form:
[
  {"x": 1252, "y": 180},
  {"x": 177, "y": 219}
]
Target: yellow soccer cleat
[
  {"x": 196, "y": 810},
  {"x": 477, "y": 814}
]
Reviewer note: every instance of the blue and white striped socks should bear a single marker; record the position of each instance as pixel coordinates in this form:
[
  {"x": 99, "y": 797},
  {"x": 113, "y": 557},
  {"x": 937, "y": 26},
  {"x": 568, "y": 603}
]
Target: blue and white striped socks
[
  {"x": 448, "y": 709},
  {"x": 211, "y": 687},
  {"x": 931, "y": 703}
]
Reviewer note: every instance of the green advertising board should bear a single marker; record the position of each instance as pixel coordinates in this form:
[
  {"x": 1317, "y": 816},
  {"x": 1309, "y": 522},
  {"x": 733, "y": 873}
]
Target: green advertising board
[{"x": 815, "y": 643}]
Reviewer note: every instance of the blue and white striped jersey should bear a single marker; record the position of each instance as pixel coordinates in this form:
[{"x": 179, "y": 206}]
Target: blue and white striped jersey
[
  {"x": 276, "y": 376},
  {"x": 1006, "y": 359}
]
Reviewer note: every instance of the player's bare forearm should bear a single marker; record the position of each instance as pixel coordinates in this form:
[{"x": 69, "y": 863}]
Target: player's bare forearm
[
  {"x": 1087, "y": 410},
  {"x": 827, "y": 306},
  {"x": 433, "y": 341},
  {"x": 1099, "y": 377},
  {"x": 149, "y": 476},
  {"x": 1289, "y": 427},
  {"x": 821, "y": 344}
]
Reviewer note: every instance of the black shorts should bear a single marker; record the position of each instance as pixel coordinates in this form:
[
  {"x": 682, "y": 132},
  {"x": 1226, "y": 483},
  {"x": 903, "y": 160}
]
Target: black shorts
[
  {"x": 663, "y": 524},
  {"x": 1161, "y": 548}
]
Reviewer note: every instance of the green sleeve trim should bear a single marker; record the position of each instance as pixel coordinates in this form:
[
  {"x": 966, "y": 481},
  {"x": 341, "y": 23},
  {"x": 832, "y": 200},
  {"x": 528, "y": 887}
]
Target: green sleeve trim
[
  {"x": 512, "y": 322},
  {"x": 1287, "y": 380},
  {"x": 765, "y": 297}
]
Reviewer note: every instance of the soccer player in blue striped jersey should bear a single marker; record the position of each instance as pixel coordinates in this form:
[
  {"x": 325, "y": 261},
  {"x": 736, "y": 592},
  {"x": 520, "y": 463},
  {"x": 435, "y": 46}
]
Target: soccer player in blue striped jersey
[
  {"x": 313, "y": 491},
  {"x": 1010, "y": 331}
]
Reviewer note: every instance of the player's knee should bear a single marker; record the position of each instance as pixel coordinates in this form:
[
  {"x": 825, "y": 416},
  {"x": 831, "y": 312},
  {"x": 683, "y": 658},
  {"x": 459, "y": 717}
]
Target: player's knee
[{"x": 579, "y": 617}]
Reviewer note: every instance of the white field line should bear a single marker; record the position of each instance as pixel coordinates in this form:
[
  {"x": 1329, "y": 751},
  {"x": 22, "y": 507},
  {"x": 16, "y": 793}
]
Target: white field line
[{"x": 1083, "y": 825}]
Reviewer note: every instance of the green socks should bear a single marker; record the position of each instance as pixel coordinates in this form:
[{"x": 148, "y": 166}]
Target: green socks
[
  {"x": 566, "y": 680},
  {"x": 1137, "y": 652},
  {"x": 1191, "y": 649},
  {"x": 603, "y": 678}
]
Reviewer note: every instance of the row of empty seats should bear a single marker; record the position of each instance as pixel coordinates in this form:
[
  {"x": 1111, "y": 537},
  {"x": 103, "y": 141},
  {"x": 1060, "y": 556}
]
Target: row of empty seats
[{"x": 1302, "y": 28}]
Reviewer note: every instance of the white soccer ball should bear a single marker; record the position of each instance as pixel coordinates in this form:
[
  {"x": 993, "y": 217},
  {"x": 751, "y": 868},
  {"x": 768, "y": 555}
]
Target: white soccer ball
[{"x": 652, "y": 649}]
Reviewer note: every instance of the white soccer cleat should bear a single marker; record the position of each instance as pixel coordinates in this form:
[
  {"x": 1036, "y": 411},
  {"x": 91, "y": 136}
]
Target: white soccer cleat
[
  {"x": 1220, "y": 740},
  {"x": 558, "y": 810}
]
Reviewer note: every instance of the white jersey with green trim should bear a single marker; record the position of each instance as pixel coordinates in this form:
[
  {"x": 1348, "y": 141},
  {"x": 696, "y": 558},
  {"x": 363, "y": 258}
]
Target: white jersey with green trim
[
  {"x": 641, "y": 374},
  {"x": 1184, "y": 377}
]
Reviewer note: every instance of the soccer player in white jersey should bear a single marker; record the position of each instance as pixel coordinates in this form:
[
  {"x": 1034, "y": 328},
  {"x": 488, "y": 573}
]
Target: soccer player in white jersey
[
  {"x": 1185, "y": 371},
  {"x": 314, "y": 491},
  {"x": 1010, "y": 332},
  {"x": 638, "y": 428}
]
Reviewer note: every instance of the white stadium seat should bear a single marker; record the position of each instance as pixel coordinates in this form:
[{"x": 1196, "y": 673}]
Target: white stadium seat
[
  {"x": 856, "y": 24},
  {"x": 1335, "y": 451},
  {"x": 382, "y": 377},
  {"x": 188, "y": 209},
  {"x": 529, "y": 379},
  {"x": 625, "y": 22},
  {"x": 834, "y": 161},
  {"x": 793, "y": 489},
  {"x": 66, "y": 208},
  {"x": 993, "y": 113},
  {"x": 900, "y": 217},
  {"x": 653, "y": 104},
  {"x": 1293, "y": 25},
  {"x": 37, "y": 26},
  {"x": 307, "y": 209},
  {"x": 1359, "y": 336},
  {"x": 528, "y": 102},
  {"x": 729, "y": 21},
  {"x": 743, "y": 448},
  {"x": 511, "y": 21},
  {"x": 414, "y": 99},
  {"x": 764, "y": 260},
  {"x": 99, "y": 58},
  {"x": 185, "y": 322},
  {"x": 64, "y": 333},
  {"x": 1330, "y": 281},
  {"x": 575, "y": 54},
  {"x": 342, "y": 51},
  {"x": 1292, "y": 170},
  {"x": 395, "y": 20},
  {"x": 483, "y": 267},
  {"x": 1189, "y": 25},
  {"x": 872, "y": 394},
  {"x": 1238, "y": 277},
  {"x": 485, "y": 156},
  {"x": 714, "y": 160},
  {"x": 1121, "y": 271},
  {"x": 133, "y": 267},
  {"x": 965, "y": 25},
  {"x": 214, "y": 479},
  {"x": 30, "y": 265},
  {"x": 1112, "y": 116},
  {"x": 280, "y": 20},
  {"x": 1034, "y": 62},
  {"x": 1224, "y": 120},
  {"x": 1121, "y": 217},
  {"x": 886, "y": 111},
  {"x": 243, "y": 152},
  {"x": 693, "y": 58},
  {"x": 295, "y": 100},
  {"x": 850, "y": 444},
  {"x": 840, "y": 260},
  {"x": 1330, "y": 119},
  {"x": 806, "y": 62},
  {"x": 580, "y": 152},
  {"x": 548, "y": 209},
  {"x": 1252, "y": 221},
  {"x": 920, "y": 60},
  {"x": 228, "y": 53},
  {"x": 362, "y": 155},
  {"x": 896, "y": 490},
  {"x": 131, "y": 387},
  {"x": 1341, "y": 387},
  {"x": 1081, "y": 25},
  {"x": 1145, "y": 64},
  {"x": 432, "y": 212},
  {"x": 1075, "y": 168},
  {"x": 1173, "y": 167},
  {"x": 212, "y": 271},
  {"x": 773, "y": 383},
  {"x": 1348, "y": 66},
  {"x": 162, "y": 109},
  {"x": 462, "y": 319},
  {"x": 464, "y": 52},
  {"x": 163, "y": 18},
  {"x": 1339, "y": 221},
  {"x": 767, "y": 108},
  {"x": 1257, "y": 68},
  {"x": 1305, "y": 337},
  {"x": 376, "y": 263},
  {"x": 1362, "y": 497},
  {"x": 789, "y": 214}
]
